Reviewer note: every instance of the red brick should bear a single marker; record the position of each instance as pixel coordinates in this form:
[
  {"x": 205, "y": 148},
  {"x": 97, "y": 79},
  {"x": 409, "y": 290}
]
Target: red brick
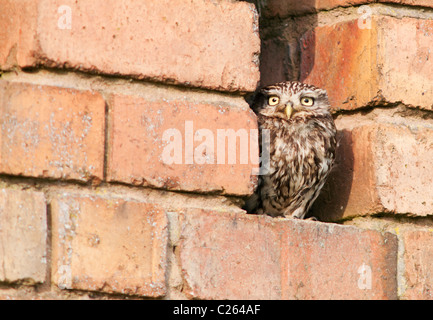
[
  {"x": 339, "y": 58},
  {"x": 17, "y": 33},
  {"x": 138, "y": 145},
  {"x": 23, "y": 236},
  {"x": 51, "y": 132},
  {"x": 379, "y": 168},
  {"x": 417, "y": 261},
  {"x": 236, "y": 256},
  {"x": 154, "y": 40},
  {"x": 358, "y": 66},
  {"x": 326, "y": 261},
  {"x": 109, "y": 245}
]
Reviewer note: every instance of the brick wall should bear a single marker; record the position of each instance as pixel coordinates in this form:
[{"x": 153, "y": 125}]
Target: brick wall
[{"x": 117, "y": 177}]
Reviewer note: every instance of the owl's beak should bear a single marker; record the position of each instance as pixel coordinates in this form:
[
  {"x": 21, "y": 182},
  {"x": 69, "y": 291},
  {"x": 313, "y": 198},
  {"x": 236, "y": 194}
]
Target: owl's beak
[{"x": 289, "y": 111}]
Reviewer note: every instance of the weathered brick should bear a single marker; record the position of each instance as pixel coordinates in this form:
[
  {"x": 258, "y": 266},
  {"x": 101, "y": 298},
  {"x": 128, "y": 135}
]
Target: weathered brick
[
  {"x": 417, "y": 261},
  {"x": 230, "y": 256},
  {"x": 17, "y": 33},
  {"x": 23, "y": 236},
  {"x": 51, "y": 132},
  {"x": 379, "y": 168},
  {"x": 405, "y": 62},
  {"x": 155, "y": 40},
  {"x": 284, "y": 8},
  {"x": 339, "y": 59},
  {"x": 358, "y": 66},
  {"x": 236, "y": 256},
  {"x": 422, "y": 3},
  {"x": 109, "y": 245},
  {"x": 326, "y": 261},
  {"x": 174, "y": 144}
]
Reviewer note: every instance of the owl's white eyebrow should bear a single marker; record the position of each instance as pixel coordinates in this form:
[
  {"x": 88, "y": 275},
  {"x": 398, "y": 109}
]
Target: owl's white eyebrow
[
  {"x": 309, "y": 93},
  {"x": 272, "y": 92}
]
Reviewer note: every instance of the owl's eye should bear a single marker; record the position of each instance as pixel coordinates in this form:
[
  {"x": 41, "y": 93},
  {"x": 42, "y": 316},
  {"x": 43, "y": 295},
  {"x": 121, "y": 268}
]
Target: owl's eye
[
  {"x": 307, "y": 101},
  {"x": 273, "y": 101}
]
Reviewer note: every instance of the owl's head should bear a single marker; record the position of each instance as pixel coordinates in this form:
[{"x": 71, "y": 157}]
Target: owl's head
[{"x": 291, "y": 99}]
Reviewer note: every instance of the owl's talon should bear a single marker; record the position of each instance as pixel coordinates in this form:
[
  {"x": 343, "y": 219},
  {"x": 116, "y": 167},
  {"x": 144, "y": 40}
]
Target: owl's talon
[{"x": 312, "y": 219}]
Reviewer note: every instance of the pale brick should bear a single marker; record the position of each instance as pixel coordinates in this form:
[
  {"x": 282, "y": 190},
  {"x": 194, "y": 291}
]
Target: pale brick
[
  {"x": 154, "y": 40},
  {"x": 388, "y": 63},
  {"x": 23, "y": 236},
  {"x": 404, "y": 51},
  {"x": 142, "y": 146},
  {"x": 109, "y": 245},
  {"x": 417, "y": 282},
  {"x": 18, "y": 20},
  {"x": 236, "y": 256},
  {"x": 51, "y": 132},
  {"x": 379, "y": 168}
]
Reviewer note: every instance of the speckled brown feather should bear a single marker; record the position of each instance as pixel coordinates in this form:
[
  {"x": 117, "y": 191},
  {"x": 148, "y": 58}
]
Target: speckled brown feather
[{"x": 302, "y": 150}]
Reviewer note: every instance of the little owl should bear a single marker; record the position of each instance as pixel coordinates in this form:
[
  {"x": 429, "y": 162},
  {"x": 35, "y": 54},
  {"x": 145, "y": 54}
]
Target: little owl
[{"x": 301, "y": 149}]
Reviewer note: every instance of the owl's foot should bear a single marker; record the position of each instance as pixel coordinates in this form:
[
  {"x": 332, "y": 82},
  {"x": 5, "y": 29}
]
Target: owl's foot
[
  {"x": 312, "y": 219},
  {"x": 307, "y": 219}
]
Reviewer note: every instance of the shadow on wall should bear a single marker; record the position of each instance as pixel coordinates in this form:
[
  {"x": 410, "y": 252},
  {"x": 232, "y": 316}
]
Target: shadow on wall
[
  {"x": 332, "y": 201},
  {"x": 283, "y": 39}
]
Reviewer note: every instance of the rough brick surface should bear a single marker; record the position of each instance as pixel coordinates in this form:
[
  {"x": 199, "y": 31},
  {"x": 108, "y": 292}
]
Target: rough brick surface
[
  {"x": 284, "y": 8},
  {"x": 127, "y": 238},
  {"x": 155, "y": 40},
  {"x": 235, "y": 256},
  {"x": 16, "y": 46},
  {"x": 51, "y": 132},
  {"x": 388, "y": 63},
  {"x": 230, "y": 256},
  {"x": 417, "y": 261},
  {"x": 422, "y": 3},
  {"x": 23, "y": 236},
  {"x": 380, "y": 168},
  {"x": 339, "y": 58},
  {"x": 108, "y": 245},
  {"x": 405, "y": 60},
  {"x": 163, "y": 144},
  {"x": 360, "y": 264}
]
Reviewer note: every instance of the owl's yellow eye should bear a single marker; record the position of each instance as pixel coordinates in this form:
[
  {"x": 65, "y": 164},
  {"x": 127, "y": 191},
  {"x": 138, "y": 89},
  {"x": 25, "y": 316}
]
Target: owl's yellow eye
[
  {"x": 306, "y": 101},
  {"x": 273, "y": 101}
]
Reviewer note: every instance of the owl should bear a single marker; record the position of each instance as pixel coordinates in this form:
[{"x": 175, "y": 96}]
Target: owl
[{"x": 301, "y": 148}]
